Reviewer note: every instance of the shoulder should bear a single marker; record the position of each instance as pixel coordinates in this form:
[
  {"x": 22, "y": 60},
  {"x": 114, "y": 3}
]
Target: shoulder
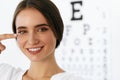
[
  {"x": 67, "y": 76},
  {"x": 8, "y": 72}
]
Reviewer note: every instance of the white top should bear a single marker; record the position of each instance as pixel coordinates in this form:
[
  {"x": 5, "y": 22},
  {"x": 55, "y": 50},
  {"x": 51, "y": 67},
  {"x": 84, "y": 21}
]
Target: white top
[{"x": 8, "y": 72}]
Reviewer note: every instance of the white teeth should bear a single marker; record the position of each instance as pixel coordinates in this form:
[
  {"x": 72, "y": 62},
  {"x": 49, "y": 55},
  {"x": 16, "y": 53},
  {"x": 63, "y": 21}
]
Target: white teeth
[{"x": 34, "y": 49}]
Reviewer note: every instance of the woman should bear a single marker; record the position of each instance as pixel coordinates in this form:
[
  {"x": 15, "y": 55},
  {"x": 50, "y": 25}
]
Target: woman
[{"x": 38, "y": 29}]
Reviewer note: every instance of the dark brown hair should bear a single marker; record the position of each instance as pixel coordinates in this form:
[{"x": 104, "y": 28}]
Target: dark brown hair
[{"x": 50, "y": 12}]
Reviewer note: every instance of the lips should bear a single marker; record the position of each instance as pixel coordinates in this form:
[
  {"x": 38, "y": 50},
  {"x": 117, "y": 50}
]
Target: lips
[{"x": 34, "y": 50}]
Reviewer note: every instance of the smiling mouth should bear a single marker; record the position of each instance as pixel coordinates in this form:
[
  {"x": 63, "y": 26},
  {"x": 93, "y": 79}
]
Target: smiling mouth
[{"x": 34, "y": 50}]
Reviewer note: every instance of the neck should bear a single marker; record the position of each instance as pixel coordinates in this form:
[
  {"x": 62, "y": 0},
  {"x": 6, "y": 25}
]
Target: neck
[{"x": 46, "y": 68}]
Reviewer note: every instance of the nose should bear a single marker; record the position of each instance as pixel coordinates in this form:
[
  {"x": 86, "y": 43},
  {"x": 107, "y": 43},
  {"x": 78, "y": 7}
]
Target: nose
[{"x": 33, "y": 39}]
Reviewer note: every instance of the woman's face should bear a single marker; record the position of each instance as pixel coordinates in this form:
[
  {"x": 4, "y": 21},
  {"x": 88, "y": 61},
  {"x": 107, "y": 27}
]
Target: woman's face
[{"x": 35, "y": 37}]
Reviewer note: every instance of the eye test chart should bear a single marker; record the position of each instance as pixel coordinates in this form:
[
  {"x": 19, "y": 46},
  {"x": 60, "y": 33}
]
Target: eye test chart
[{"x": 85, "y": 47}]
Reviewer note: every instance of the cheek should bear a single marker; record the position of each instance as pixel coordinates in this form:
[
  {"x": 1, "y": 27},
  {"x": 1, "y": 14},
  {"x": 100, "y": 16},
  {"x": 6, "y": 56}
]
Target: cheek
[
  {"x": 20, "y": 41},
  {"x": 51, "y": 40}
]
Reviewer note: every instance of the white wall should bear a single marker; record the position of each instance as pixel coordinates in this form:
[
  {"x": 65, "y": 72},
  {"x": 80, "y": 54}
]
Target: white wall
[{"x": 115, "y": 23}]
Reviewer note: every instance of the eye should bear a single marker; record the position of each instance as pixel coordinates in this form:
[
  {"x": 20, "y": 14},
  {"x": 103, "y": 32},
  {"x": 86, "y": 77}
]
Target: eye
[
  {"x": 42, "y": 29},
  {"x": 21, "y": 32}
]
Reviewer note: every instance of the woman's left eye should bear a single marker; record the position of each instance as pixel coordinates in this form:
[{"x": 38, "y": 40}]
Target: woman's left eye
[{"x": 42, "y": 29}]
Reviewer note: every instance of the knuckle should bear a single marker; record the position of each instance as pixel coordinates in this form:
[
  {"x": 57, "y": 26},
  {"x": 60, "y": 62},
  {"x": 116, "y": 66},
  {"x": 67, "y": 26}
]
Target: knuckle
[{"x": 2, "y": 47}]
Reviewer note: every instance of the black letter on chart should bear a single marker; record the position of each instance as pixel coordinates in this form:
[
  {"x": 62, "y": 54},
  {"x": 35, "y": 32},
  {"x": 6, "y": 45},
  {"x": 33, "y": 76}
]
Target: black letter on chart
[{"x": 76, "y": 11}]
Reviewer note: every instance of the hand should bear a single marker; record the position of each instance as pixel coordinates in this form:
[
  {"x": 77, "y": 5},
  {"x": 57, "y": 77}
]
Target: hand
[{"x": 3, "y": 37}]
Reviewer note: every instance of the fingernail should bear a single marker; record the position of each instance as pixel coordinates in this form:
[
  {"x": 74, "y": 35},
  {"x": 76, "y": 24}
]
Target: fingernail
[{"x": 15, "y": 35}]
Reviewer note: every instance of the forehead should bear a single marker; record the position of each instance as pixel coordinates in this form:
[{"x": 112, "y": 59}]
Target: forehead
[{"x": 30, "y": 17}]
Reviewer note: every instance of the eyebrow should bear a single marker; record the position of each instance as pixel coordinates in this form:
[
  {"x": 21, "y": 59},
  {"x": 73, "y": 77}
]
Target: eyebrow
[
  {"x": 42, "y": 25},
  {"x": 39, "y": 25}
]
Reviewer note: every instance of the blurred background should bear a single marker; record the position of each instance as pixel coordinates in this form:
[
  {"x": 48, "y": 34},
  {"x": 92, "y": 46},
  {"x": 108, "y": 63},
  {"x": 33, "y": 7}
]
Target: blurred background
[{"x": 91, "y": 40}]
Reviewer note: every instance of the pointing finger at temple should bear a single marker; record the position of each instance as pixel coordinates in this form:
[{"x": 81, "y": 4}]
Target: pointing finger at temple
[{"x": 7, "y": 36}]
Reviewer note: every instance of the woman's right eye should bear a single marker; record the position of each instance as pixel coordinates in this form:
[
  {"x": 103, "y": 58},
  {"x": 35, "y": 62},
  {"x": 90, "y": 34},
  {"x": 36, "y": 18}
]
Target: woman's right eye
[{"x": 21, "y": 32}]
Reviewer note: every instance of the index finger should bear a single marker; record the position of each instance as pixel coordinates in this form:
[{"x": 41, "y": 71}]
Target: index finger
[{"x": 7, "y": 36}]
